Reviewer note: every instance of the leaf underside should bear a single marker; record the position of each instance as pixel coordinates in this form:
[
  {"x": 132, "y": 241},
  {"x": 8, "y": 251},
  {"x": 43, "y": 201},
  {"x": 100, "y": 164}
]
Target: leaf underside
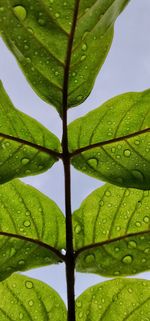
[
  {"x": 27, "y": 213},
  {"x": 19, "y": 158},
  {"x": 112, "y": 232},
  {"x": 28, "y": 299},
  {"x": 119, "y": 132},
  {"x": 120, "y": 299},
  {"x": 47, "y": 37}
]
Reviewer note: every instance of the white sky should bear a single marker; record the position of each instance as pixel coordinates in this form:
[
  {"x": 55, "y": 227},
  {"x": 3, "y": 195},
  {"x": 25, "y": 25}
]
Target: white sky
[{"x": 127, "y": 68}]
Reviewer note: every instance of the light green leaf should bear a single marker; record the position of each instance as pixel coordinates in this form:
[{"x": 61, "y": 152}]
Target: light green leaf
[
  {"x": 23, "y": 298},
  {"x": 120, "y": 300},
  {"x": 26, "y": 147},
  {"x": 112, "y": 232},
  {"x": 119, "y": 132},
  {"x": 32, "y": 229},
  {"x": 53, "y": 42}
]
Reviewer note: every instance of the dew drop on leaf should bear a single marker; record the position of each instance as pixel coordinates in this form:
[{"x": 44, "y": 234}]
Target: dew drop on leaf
[
  {"x": 78, "y": 229},
  {"x": 29, "y": 284},
  {"x": 31, "y": 303},
  {"x": 90, "y": 258},
  {"x": 138, "y": 175},
  {"x": 25, "y": 161},
  {"x": 92, "y": 162},
  {"x": 84, "y": 47},
  {"x": 41, "y": 21},
  {"x": 20, "y": 12},
  {"x": 132, "y": 245},
  {"x": 27, "y": 223},
  {"x": 146, "y": 219},
  {"x": 128, "y": 259},
  {"x": 127, "y": 153},
  {"x": 83, "y": 57},
  {"x": 21, "y": 316}
]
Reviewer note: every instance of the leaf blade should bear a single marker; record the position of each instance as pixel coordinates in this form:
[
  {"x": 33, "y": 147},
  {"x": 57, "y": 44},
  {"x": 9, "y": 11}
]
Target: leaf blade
[
  {"x": 126, "y": 298},
  {"x": 112, "y": 232},
  {"x": 115, "y": 147},
  {"x": 27, "y": 148},
  {"x": 40, "y": 40},
  {"x": 32, "y": 216},
  {"x": 26, "y": 298}
]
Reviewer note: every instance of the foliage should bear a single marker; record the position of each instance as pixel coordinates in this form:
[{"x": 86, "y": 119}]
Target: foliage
[{"x": 61, "y": 46}]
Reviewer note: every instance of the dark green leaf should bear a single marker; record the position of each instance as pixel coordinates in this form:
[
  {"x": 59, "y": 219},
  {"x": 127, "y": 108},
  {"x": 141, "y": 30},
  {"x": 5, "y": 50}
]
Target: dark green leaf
[
  {"x": 112, "y": 232},
  {"x": 32, "y": 229},
  {"x": 119, "y": 132},
  {"x": 117, "y": 300},
  {"x": 25, "y": 145},
  {"x": 55, "y": 41},
  {"x": 23, "y": 298}
]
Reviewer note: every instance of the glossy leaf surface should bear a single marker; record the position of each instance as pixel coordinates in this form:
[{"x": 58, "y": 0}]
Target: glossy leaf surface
[
  {"x": 30, "y": 215},
  {"x": 28, "y": 155},
  {"x": 112, "y": 232},
  {"x": 53, "y": 42},
  {"x": 119, "y": 131},
  {"x": 127, "y": 299},
  {"x": 27, "y": 299}
]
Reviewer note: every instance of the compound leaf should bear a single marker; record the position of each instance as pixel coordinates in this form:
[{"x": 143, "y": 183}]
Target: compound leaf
[
  {"x": 126, "y": 299},
  {"x": 119, "y": 132},
  {"x": 25, "y": 145},
  {"x": 32, "y": 229},
  {"x": 23, "y": 298},
  {"x": 112, "y": 232},
  {"x": 53, "y": 42}
]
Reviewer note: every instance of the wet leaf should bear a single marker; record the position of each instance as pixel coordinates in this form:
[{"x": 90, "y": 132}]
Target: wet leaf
[
  {"x": 112, "y": 232},
  {"x": 23, "y": 298},
  {"x": 32, "y": 229},
  {"x": 119, "y": 131},
  {"x": 53, "y": 41},
  {"x": 24, "y": 143},
  {"x": 128, "y": 299}
]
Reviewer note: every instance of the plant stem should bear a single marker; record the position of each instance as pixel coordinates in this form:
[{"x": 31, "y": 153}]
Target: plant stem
[{"x": 70, "y": 257}]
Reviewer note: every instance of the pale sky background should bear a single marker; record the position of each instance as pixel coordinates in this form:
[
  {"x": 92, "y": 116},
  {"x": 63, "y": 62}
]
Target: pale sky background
[{"x": 127, "y": 68}]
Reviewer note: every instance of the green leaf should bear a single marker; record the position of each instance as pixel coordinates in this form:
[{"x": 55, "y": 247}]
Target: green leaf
[
  {"x": 23, "y": 298},
  {"x": 112, "y": 232},
  {"x": 32, "y": 229},
  {"x": 26, "y": 147},
  {"x": 53, "y": 42},
  {"x": 120, "y": 300},
  {"x": 112, "y": 143}
]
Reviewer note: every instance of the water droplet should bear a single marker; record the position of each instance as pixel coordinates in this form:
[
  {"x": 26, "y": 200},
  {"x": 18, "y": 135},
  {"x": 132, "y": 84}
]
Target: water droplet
[
  {"x": 63, "y": 251},
  {"x": 31, "y": 303},
  {"x": 84, "y": 47},
  {"x": 78, "y": 229},
  {"x": 21, "y": 316},
  {"x": 29, "y": 284},
  {"x": 28, "y": 172},
  {"x": 83, "y": 57},
  {"x": 146, "y": 219},
  {"x": 108, "y": 193},
  {"x": 132, "y": 245},
  {"x": 127, "y": 259},
  {"x": 12, "y": 251},
  {"x": 25, "y": 161},
  {"x": 79, "y": 98},
  {"x": 27, "y": 223},
  {"x": 137, "y": 142},
  {"x": 79, "y": 304},
  {"x": 90, "y": 258},
  {"x": 138, "y": 175},
  {"x": 21, "y": 262},
  {"x": 138, "y": 224},
  {"x": 1, "y": 9},
  {"x": 20, "y": 12},
  {"x": 147, "y": 250},
  {"x": 127, "y": 153},
  {"x": 57, "y": 15},
  {"x": 92, "y": 162},
  {"x": 41, "y": 21}
]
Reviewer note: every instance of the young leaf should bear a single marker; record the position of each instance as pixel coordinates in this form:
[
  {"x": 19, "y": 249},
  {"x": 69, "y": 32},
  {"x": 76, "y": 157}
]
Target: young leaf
[
  {"x": 112, "y": 232},
  {"x": 112, "y": 143},
  {"x": 26, "y": 147},
  {"x": 32, "y": 230},
  {"x": 28, "y": 299},
  {"x": 53, "y": 42},
  {"x": 120, "y": 300}
]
